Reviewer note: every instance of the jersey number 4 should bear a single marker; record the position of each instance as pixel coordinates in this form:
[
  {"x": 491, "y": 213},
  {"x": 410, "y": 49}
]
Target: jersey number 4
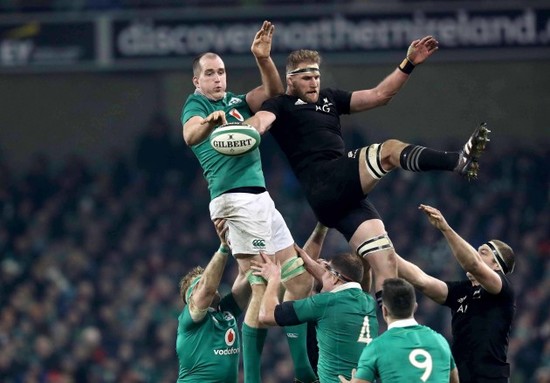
[{"x": 365, "y": 336}]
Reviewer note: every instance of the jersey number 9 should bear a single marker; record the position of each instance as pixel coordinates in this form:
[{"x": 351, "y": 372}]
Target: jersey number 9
[{"x": 424, "y": 363}]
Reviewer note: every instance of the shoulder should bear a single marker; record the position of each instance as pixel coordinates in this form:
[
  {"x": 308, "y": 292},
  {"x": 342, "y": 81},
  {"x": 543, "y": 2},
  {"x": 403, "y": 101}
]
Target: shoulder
[{"x": 507, "y": 288}]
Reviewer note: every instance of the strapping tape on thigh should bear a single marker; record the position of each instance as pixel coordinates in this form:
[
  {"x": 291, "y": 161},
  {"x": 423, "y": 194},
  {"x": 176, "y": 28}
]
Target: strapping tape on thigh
[
  {"x": 291, "y": 268},
  {"x": 255, "y": 279},
  {"x": 374, "y": 162},
  {"x": 372, "y": 245}
]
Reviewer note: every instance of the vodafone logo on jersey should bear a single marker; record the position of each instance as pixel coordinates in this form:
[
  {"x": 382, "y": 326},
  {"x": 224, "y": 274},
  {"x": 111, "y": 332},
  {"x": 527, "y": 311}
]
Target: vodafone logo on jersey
[{"x": 230, "y": 337}]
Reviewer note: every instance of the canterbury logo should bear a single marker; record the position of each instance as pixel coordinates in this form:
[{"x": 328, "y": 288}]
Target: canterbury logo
[{"x": 258, "y": 243}]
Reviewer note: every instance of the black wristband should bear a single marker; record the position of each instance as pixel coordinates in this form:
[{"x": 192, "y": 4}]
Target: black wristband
[{"x": 406, "y": 66}]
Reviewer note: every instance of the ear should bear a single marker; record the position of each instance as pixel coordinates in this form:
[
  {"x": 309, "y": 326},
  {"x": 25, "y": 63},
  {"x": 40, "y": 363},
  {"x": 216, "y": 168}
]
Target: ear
[
  {"x": 385, "y": 313},
  {"x": 415, "y": 307},
  {"x": 288, "y": 82},
  {"x": 196, "y": 81}
]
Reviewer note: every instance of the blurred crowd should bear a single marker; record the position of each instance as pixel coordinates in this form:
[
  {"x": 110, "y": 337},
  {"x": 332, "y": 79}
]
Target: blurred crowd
[{"x": 91, "y": 254}]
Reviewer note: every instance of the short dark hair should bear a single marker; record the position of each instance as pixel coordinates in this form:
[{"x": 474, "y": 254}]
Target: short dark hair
[
  {"x": 197, "y": 61},
  {"x": 349, "y": 265},
  {"x": 399, "y": 297},
  {"x": 185, "y": 282}
]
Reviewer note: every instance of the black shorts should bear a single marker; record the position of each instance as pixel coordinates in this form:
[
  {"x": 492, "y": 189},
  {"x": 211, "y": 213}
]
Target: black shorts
[{"x": 333, "y": 189}]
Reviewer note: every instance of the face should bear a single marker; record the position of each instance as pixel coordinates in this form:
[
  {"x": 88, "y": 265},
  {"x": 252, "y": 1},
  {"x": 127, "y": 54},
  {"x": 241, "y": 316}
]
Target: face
[
  {"x": 486, "y": 254},
  {"x": 304, "y": 85},
  {"x": 330, "y": 278},
  {"x": 212, "y": 80}
]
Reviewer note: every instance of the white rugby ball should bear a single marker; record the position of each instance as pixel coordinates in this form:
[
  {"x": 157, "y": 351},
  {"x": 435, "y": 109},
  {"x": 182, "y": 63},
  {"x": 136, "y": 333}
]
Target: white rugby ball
[{"x": 235, "y": 139}]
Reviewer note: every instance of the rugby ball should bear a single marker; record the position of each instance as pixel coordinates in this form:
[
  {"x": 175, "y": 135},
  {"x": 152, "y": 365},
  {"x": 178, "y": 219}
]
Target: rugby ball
[{"x": 235, "y": 139}]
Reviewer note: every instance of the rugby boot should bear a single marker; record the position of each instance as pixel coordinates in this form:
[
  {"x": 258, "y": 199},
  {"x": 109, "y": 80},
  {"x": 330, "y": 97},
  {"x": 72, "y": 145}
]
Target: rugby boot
[{"x": 468, "y": 165}]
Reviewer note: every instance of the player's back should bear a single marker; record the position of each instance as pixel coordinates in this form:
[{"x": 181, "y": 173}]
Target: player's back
[{"x": 407, "y": 354}]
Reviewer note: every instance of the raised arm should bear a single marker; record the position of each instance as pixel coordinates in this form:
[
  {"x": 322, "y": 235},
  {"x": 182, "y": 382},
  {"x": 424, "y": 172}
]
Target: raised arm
[
  {"x": 314, "y": 243},
  {"x": 205, "y": 291},
  {"x": 428, "y": 285},
  {"x": 241, "y": 290},
  {"x": 271, "y": 80},
  {"x": 262, "y": 121},
  {"x": 271, "y": 272},
  {"x": 468, "y": 257},
  {"x": 418, "y": 52},
  {"x": 315, "y": 268}
]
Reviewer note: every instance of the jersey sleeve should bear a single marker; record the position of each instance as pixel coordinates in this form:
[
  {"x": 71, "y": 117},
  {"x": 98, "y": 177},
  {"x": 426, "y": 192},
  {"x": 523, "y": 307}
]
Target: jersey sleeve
[
  {"x": 313, "y": 308},
  {"x": 506, "y": 290},
  {"x": 366, "y": 369},
  {"x": 192, "y": 107},
  {"x": 186, "y": 323},
  {"x": 341, "y": 98}
]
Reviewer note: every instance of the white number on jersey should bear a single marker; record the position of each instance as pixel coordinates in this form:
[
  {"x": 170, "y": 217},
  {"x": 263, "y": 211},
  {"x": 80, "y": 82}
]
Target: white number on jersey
[
  {"x": 425, "y": 363},
  {"x": 364, "y": 336}
]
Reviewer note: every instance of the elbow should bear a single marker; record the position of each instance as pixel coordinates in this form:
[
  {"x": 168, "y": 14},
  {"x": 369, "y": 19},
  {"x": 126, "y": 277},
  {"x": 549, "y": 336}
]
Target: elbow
[
  {"x": 266, "y": 319},
  {"x": 189, "y": 140},
  {"x": 385, "y": 100}
]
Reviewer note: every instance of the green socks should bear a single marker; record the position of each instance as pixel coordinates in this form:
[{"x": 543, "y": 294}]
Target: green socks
[
  {"x": 253, "y": 340},
  {"x": 297, "y": 342}
]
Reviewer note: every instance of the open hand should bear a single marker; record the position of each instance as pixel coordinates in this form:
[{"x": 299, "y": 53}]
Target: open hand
[
  {"x": 261, "y": 46},
  {"x": 266, "y": 269},
  {"x": 420, "y": 50},
  {"x": 215, "y": 119},
  {"x": 221, "y": 230},
  {"x": 435, "y": 217}
]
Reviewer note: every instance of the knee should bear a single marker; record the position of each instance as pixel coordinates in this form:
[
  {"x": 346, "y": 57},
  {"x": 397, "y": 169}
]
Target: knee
[{"x": 390, "y": 153}]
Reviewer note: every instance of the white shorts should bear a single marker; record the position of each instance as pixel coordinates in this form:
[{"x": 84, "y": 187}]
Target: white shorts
[{"x": 254, "y": 223}]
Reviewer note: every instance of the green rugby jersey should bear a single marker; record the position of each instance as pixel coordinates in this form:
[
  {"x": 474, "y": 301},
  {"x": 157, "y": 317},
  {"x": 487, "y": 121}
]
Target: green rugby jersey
[
  {"x": 345, "y": 322},
  {"x": 208, "y": 351},
  {"x": 407, "y": 353},
  {"x": 222, "y": 172}
]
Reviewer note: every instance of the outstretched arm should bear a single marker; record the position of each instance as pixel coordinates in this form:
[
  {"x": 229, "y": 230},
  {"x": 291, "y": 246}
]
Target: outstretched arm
[
  {"x": 314, "y": 243},
  {"x": 271, "y": 272},
  {"x": 465, "y": 254},
  {"x": 271, "y": 81},
  {"x": 315, "y": 268},
  {"x": 428, "y": 285},
  {"x": 196, "y": 129},
  {"x": 418, "y": 52},
  {"x": 241, "y": 290},
  {"x": 205, "y": 291}
]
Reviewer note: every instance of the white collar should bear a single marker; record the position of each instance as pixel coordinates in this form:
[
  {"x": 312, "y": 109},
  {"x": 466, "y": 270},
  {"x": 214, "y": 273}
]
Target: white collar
[
  {"x": 403, "y": 323},
  {"x": 345, "y": 286}
]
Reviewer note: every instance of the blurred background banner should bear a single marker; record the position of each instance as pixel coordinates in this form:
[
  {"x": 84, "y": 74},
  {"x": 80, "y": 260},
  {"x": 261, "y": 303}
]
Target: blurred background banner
[
  {"x": 165, "y": 39},
  {"x": 39, "y": 44}
]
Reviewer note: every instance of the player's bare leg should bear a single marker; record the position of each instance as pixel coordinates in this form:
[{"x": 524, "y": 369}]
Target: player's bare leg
[{"x": 376, "y": 160}]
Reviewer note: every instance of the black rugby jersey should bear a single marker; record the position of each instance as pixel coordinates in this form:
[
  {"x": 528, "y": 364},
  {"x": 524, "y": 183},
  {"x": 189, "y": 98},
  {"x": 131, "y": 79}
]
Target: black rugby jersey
[
  {"x": 309, "y": 133},
  {"x": 481, "y": 324}
]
